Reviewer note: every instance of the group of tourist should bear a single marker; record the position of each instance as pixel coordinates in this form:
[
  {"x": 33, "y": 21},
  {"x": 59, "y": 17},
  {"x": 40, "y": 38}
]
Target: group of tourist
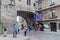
[
  {"x": 17, "y": 30},
  {"x": 39, "y": 27}
]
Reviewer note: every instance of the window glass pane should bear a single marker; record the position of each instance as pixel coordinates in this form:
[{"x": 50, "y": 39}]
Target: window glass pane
[
  {"x": 59, "y": 26},
  {"x": 52, "y": 13},
  {"x": 28, "y": 2},
  {"x": 52, "y": 1},
  {"x": 40, "y": 5},
  {"x": 12, "y": 2},
  {"x": 46, "y": 25},
  {"x": 19, "y": 0}
]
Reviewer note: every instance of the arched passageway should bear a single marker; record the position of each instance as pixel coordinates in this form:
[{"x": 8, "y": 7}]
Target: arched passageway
[{"x": 28, "y": 16}]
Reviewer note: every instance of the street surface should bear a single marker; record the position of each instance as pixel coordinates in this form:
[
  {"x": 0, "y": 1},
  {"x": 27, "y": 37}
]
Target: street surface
[
  {"x": 44, "y": 35},
  {"x": 34, "y": 35}
]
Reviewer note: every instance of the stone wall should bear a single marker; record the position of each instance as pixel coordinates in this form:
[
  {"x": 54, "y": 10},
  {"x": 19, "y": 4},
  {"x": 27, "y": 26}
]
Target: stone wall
[{"x": 8, "y": 14}]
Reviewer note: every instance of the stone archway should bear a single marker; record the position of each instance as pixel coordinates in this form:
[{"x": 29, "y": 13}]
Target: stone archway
[{"x": 28, "y": 16}]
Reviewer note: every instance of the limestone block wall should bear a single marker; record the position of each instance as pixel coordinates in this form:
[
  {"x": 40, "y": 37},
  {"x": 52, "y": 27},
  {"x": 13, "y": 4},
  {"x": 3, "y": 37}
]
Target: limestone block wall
[
  {"x": 8, "y": 14},
  {"x": 22, "y": 5}
]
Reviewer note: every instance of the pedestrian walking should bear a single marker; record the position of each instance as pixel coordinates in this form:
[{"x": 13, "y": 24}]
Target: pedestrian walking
[
  {"x": 5, "y": 31},
  {"x": 25, "y": 31},
  {"x": 29, "y": 27},
  {"x": 14, "y": 31},
  {"x": 22, "y": 27},
  {"x": 42, "y": 28}
]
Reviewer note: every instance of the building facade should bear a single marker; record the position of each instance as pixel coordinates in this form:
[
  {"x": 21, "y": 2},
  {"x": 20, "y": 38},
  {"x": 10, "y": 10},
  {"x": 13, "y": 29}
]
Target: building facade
[
  {"x": 10, "y": 8},
  {"x": 50, "y": 10},
  {"x": 0, "y": 9}
]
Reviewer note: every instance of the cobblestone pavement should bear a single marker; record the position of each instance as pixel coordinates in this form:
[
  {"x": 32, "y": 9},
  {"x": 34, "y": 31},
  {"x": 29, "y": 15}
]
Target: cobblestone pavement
[
  {"x": 34, "y": 35},
  {"x": 44, "y": 35},
  {"x": 9, "y": 37}
]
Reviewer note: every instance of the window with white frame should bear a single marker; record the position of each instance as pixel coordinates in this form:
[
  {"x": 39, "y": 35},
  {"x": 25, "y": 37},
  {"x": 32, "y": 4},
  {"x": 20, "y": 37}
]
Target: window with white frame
[
  {"x": 12, "y": 2},
  {"x": 19, "y": 0},
  {"x": 28, "y": 2},
  {"x": 52, "y": 2},
  {"x": 40, "y": 5},
  {"x": 52, "y": 13}
]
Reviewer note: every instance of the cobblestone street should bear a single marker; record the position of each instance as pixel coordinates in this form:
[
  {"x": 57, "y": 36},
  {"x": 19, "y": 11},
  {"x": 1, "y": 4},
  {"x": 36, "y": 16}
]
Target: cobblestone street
[
  {"x": 44, "y": 36},
  {"x": 33, "y": 35}
]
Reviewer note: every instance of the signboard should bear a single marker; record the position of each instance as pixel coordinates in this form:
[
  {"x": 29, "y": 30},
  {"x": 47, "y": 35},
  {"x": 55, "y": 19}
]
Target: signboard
[
  {"x": 37, "y": 17},
  {"x": 34, "y": 18}
]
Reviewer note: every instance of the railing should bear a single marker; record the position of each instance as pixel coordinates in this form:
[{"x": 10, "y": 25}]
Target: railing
[{"x": 53, "y": 17}]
